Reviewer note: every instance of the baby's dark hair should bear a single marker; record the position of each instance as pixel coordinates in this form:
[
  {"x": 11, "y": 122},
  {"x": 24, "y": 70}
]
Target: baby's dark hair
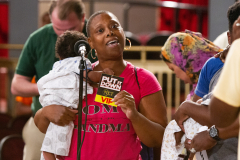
[
  {"x": 91, "y": 18},
  {"x": 233, "y": 14},
  {"x": 64, "y": 47}
]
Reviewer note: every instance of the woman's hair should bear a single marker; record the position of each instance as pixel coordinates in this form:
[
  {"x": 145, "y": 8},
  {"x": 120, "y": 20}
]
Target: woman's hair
[
  {"x": 66, "y": 7},
  {"x": 64, "y": 47},
  {"x": 189, "y": 51},
  {"x": 91, "y": 18},
  {"x": 233, "y": 14}
]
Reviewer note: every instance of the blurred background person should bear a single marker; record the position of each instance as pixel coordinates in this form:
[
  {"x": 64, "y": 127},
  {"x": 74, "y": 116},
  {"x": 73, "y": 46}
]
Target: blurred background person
[{"x": 37, "y": 58}]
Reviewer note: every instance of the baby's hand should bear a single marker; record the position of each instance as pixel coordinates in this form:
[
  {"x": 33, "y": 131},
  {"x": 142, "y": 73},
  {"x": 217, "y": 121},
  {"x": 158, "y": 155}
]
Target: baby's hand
[
  {"x": 108, "y": 71},
  {"x": 199, "y": 101}
]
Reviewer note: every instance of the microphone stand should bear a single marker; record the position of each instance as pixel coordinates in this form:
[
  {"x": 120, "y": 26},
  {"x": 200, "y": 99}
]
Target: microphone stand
[
  {"x": 81, "y": 47},
  {"x": 81, "y": 67}
]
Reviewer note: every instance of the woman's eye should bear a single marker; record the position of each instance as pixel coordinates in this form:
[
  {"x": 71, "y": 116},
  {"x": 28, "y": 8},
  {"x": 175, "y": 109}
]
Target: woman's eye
[
  {"x": 100, "y": 30},
  {"x": 114, "y": 26}
]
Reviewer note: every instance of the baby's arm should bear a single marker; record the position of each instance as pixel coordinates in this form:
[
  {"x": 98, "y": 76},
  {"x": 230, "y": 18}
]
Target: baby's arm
[{"x": 48, "y": 156}]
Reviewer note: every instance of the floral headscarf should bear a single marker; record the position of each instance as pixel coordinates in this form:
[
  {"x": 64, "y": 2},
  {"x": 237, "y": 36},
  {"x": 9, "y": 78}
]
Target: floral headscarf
[{"x": 189, "y": 51}]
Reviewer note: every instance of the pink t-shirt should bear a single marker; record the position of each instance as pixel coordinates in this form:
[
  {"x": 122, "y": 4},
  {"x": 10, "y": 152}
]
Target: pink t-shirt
[{"x": 109, "y": 133}]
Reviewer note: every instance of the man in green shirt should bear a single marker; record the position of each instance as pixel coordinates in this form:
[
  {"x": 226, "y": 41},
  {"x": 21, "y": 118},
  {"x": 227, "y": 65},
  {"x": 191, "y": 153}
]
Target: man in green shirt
[{"x": 37, "y": 58}]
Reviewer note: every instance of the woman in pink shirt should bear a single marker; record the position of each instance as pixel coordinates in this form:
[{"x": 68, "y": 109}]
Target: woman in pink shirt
[{"x": 114, "y": 133}]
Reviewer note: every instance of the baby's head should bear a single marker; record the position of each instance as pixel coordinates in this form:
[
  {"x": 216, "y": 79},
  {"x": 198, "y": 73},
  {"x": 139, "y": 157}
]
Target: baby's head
[{"x": 64, "y": 47}]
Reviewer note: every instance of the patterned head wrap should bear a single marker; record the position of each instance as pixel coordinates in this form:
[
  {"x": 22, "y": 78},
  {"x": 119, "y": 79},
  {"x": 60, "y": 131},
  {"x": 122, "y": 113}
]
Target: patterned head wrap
[{"x": 189, "y": 51}]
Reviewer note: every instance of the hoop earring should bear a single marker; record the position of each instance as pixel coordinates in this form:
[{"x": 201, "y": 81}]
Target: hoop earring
[
  {"x": 129, "y": 44},
  {"x": 92, "y": 55}
]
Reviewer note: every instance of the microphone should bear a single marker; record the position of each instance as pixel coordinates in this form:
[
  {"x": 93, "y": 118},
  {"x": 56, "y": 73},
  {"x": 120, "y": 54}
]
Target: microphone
[{"x": 82, "y": 47}]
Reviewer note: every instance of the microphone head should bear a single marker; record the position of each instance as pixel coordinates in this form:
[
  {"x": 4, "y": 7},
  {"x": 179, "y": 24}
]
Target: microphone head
[{"x": 81, "y": 43}]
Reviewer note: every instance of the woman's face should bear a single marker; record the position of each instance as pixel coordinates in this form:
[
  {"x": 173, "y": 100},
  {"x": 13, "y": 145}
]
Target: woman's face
[
  {"x": 107, "y": 37},
  {"x": 179, "y": 73}
]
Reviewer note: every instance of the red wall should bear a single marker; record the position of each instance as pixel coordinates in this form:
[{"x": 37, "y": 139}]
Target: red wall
[
  {"x": 3, "y": 28},
  {"x": 187, "y": 19}
]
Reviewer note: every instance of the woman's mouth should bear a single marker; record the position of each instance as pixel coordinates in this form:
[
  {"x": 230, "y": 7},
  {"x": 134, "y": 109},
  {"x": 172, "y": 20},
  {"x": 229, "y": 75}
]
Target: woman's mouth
[{"x": 112, "y": 43}]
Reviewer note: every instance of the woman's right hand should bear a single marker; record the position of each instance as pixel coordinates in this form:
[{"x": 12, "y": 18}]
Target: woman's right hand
[
  {"x": 222, "y": 55},
  {"x": 59, "y": 115},
  {"x": 108, "y": 71},
  {"x": 180, "y": 116}
]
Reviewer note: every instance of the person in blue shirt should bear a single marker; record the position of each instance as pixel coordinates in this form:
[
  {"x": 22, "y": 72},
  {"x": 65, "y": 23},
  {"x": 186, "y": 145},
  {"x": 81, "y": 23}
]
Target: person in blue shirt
[{"x": 226, "y": 149}]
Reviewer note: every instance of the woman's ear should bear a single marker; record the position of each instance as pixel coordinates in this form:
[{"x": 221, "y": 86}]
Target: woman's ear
[
  {"x": 229, "y": 37},
  {"x": 90, "y": 43}
]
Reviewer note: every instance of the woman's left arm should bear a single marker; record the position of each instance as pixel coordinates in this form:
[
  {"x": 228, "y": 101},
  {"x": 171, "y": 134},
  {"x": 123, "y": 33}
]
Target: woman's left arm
[{"x": 150, "y": 122}]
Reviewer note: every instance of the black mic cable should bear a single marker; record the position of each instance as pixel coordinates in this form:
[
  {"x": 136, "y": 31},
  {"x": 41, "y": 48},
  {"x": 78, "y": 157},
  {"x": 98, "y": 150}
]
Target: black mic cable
[{"x": 85, "y": 123}]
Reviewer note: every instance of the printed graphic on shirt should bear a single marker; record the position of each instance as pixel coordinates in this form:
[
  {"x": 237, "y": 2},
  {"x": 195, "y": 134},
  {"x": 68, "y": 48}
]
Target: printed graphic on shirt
[
  {"x": 104, "y": 118},
  {"x": 106, "y": 128},
  {"x": 109, "y": 86}
]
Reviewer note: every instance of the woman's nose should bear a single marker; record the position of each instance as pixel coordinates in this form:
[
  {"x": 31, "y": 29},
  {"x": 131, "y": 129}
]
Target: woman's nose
[{"x": 110, "y": 33}]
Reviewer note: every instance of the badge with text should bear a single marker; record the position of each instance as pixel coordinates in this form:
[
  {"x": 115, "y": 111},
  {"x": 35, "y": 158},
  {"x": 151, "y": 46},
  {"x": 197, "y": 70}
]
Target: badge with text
[{"x": 109, "y": 86}]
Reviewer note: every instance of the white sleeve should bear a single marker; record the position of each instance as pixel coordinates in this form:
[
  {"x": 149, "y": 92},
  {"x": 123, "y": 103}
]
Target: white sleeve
[
  {"x": 222, "y": 40},
  {"x": 89, "y": 65}
]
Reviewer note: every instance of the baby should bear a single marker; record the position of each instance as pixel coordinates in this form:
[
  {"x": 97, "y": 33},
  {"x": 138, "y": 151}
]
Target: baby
[
  {"x": 61, "y": 87},
  {"x": 169, "y": 150}
]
